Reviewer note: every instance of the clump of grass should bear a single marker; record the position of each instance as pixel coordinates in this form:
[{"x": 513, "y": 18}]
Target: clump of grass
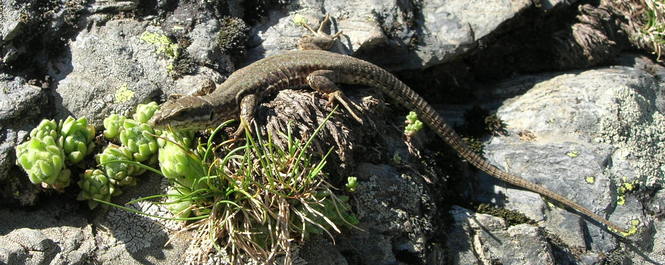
[
  {"x": 256, "y": 199},
  {"x": 646, "y": 22},
  {"x": 270, "y": 196},
  {"x": 654, "y": 28}
]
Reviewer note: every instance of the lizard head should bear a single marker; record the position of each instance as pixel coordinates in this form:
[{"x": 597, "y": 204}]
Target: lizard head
[{"x": 188, "y": 113}]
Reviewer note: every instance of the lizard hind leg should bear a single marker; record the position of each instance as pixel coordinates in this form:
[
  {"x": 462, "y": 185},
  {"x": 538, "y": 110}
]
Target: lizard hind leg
[
  {"x": 319, "y": 40},
  {"x": 247, "y": 108},
  {"x": 323, "y": 81}
]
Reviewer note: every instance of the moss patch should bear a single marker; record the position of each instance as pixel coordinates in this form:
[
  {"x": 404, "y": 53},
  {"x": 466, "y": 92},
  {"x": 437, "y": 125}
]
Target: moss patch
[
  {"x": 511, "y": 217},
  {"x": 233, "y": 35}
]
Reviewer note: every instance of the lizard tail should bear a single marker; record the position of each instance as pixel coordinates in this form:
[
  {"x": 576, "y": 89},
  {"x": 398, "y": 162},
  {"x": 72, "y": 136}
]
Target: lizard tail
[
  {"x": 455, "y": 141},
  {"x": 400, "y": 92}
]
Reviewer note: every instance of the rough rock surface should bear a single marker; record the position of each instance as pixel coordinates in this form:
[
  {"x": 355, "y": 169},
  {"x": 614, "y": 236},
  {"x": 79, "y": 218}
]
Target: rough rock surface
[
  {"x": 109, "y": 69},
  {"x": 18, "y": 115},
  {"x": 55, "y": 234},
  {"x": 416, "y": 35},
  {"x": 581, "y": 134},
  {"x": 395, "y": 213},
  {"x": 484, "y": 239}
]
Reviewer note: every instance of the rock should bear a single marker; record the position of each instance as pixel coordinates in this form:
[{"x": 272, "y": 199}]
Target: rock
[
  {"x": 57, "y": 234},
  {"x": 11, "y": 26},
  {"x": 24, "y": 24},
  {"x": 18, "y": 99},
  {"x": 321, "y": 251},
  {"x": 133, "y": 63},
  {"x": 580, "y": 134},
  {"x": 657, "y": 249},
  {"x": 550, "y": 4},
  {"x": 417, "y": 37},
  {"x": 125, "y": 71},
  {"x": 484, "y": 239},
  {"x": 10, "y": 15},
  {"x": 197, "y": 25},
  {"x": 134, "y": 238},
  {"x": 395, "y": 211},
  {"x": 21, "y": 108},
  {"x": 27, "y": 246},
  {"x": 205, "y": 50},
  {"x": 111, "y": 6}
]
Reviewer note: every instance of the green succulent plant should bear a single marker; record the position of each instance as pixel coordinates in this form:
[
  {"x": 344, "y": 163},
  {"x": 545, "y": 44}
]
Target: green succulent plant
[
  {"x": 145, "y": 111},
  {"x": 113, "y": 126},
  {"x": 119, "y": 173},
  {"x": 176, "y": 205},
  {"x": 77, "y": 137},
  {"x": 44, "y": 161},
  {"x": 45, "y": 128},
  {"x": 138, "y": 138},
  {"x": 178, "y": 164},
  {"x": 413, "y": 124},
  {"x": 96, "y": 185}
]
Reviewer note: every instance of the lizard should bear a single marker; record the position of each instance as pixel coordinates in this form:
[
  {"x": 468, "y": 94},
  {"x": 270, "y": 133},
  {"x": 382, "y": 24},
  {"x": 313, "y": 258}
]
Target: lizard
[{"x": 321, "y": 70}]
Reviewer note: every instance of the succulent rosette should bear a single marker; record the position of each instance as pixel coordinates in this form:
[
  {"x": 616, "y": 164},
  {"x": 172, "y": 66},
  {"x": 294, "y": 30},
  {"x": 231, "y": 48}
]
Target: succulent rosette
[
  {"x": 178, "y": 207},
  {"x": 77, "y": 137},
  {"x": 96, "y": 185},
  {"x": 413, "y": 124},
  {"x": 176, "y": 163},
  {"x": 43, "y": 160},
  {"x": 145, "y": 111},
  {"x": 45, "y": 128},
  {"x": 119, "y": 173},
  {"x": 113, "y": 125},
  {"x": 138, "y": 138}
]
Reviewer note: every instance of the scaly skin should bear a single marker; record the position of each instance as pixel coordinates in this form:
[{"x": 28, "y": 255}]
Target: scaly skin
[{"x": 248, "y": 85}]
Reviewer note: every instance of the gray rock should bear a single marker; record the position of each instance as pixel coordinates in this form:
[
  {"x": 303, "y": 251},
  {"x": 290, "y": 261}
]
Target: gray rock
[
  {"x": 10, "y": 17},
  {"x": 549, "y": 4},
  {"x": 657, "y": 249},
  {"x": 21, "y": 108},
  {"x": 18, "y": 99},
  {"x": 570, "y": 180},
  {"x": 615, "y": 106},
  {"x": 26, "y": 246},
  {"x": 24, "y": 23},
  {"x": 204, "y": 49},
  {"x": 484, "y": 239},
  {"x": 321, "y": 251},
  {"x": 396, "y": 213},
  {"x": 54, "y": 235},
  {"x": 109, "y": 69},
  {"x": 442, "y": 31},
  {"x": 130, "y": 238},
  {"x": 130, "y": 65},
  {"x": 110, "y": 6},
  {"x": 581, "y": 134},
  {"x": 10, "y": 26}
]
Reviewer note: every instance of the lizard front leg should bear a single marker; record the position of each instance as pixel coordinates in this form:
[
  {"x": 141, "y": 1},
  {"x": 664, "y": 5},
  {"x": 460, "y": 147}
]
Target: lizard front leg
[
  {"x": 324, "y": 82},
  {"x": 319, "y": 40},
  {"x": 247, "y": 108}
]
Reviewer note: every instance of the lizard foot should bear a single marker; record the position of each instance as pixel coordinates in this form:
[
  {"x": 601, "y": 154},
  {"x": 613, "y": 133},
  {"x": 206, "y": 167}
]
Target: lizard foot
[
  {"x": 323, "y": 82},
  {"x": 338, "y": 96},
  {"x": 319, "y": 40},
  {"x": 242, "y": 128}
]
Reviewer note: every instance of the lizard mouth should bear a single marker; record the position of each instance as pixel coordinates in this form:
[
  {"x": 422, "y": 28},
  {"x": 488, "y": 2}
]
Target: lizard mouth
[{"x": 187, "y": 112}]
